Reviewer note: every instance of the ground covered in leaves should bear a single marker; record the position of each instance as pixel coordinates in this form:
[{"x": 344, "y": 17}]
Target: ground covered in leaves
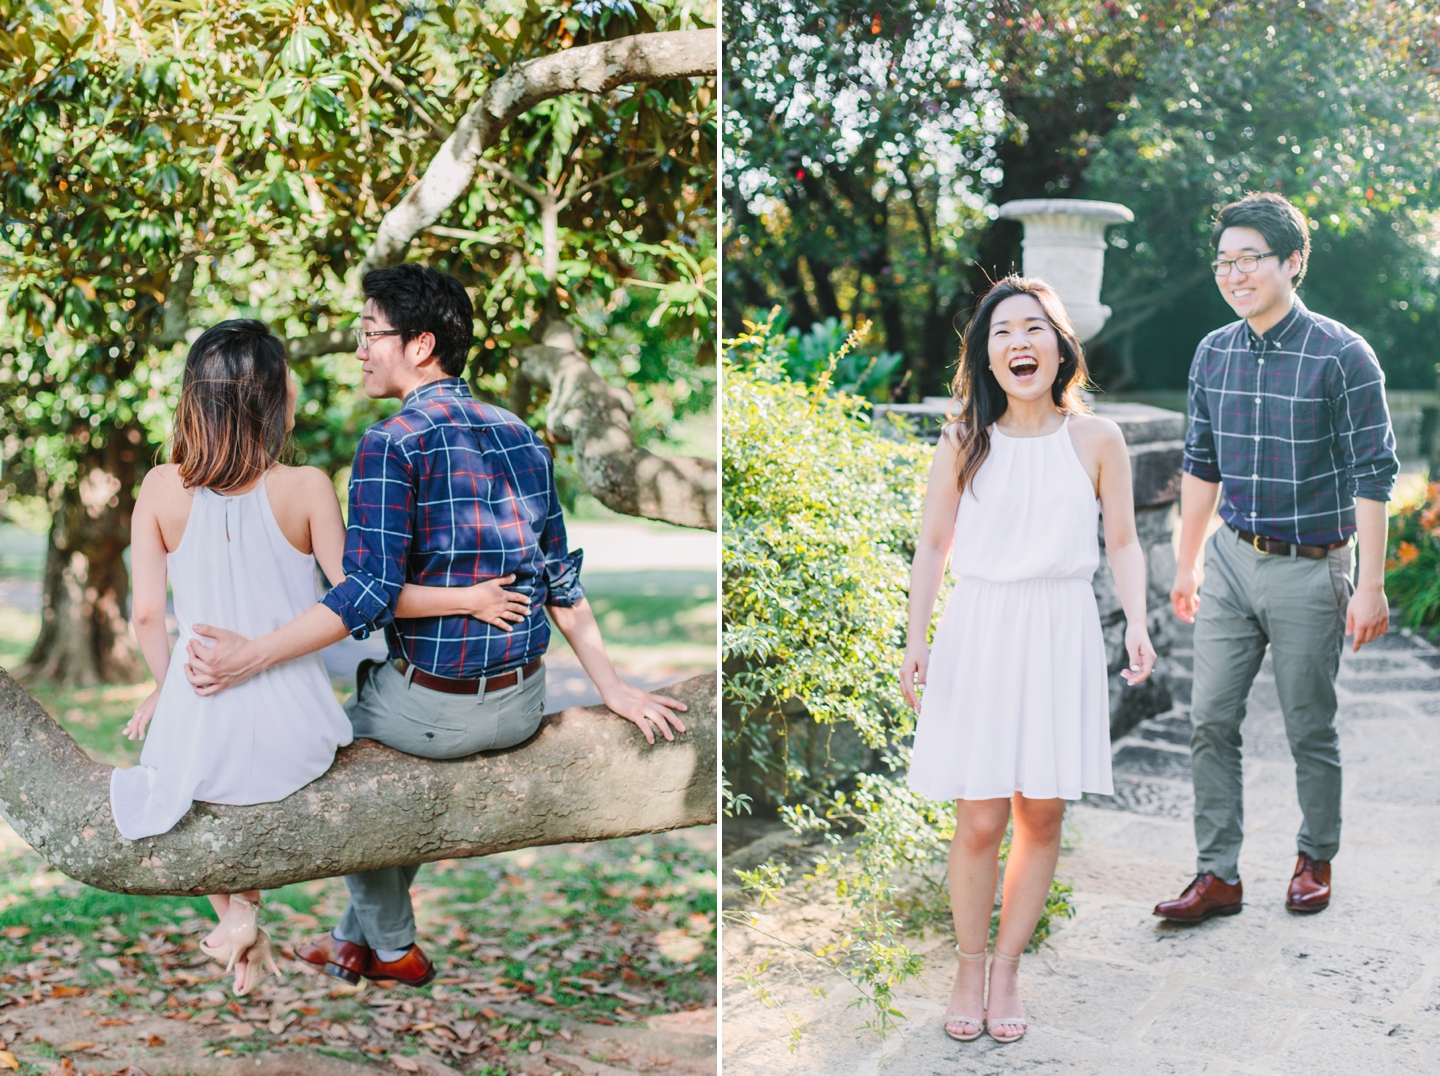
[{"x": 533, "y": 947}]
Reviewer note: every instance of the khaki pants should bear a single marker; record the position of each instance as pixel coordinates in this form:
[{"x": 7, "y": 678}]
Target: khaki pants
[
  {"x": 387, "y": 707},
  {"x": 1297, "y": 607}
]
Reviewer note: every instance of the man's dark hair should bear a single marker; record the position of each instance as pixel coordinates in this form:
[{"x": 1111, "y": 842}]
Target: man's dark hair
[
  {"x": 418, "y": 300},
  {"x": 1282, "y": 225}
]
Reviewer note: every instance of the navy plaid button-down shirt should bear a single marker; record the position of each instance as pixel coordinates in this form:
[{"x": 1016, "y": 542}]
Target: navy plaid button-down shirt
[
  {"x": 449, "y": 492},
  {"x": 1293, "y": 424}
]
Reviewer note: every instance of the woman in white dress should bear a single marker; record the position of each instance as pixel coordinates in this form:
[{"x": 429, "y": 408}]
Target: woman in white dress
[
  {"x": 238, "y": 534},
  {"x": 1015, "y": 712}
]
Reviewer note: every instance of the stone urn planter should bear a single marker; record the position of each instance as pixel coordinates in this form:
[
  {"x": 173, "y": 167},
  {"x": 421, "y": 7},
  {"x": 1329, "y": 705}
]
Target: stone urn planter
[{"x": 1064, "y": 246}]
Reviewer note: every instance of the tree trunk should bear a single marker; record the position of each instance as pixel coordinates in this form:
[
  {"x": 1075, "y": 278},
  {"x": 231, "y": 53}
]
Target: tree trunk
[
  {"x": 587, "y": 775},
  {"x": 84, "y": 634}
]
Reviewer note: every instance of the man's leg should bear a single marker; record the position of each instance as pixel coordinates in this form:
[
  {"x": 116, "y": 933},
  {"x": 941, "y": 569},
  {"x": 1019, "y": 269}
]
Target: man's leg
[
  {"x": 379, "y": 914},
  {"x": 1229, "y": 646},
  {"x": 1305, "y": 604}
]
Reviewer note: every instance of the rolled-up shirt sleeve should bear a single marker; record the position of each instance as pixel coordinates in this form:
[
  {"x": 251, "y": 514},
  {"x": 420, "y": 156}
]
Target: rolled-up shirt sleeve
[
  {"x": 562, "y": 565},
  {"x": 377, "y": 540},
  {"x": 1362, "y": 420},
  {"x": 1200, "y": 458}
]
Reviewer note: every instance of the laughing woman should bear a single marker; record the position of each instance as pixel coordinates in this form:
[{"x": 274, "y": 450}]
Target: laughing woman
[{"x": 1015, "y": 713}]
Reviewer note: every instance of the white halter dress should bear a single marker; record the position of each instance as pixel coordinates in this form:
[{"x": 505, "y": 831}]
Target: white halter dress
[
  {"x": 257, "y": 742},
  {"x": 1017, "y": 698}
]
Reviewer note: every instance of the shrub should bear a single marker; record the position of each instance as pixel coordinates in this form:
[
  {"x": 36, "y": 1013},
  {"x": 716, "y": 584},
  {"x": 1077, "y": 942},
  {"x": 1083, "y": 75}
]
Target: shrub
[{"x": 1412, "y": 565}]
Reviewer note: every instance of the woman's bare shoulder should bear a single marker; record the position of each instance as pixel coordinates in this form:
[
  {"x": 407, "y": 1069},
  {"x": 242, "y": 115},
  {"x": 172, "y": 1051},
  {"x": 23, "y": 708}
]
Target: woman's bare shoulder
[
  {"x": 163, "y": 480},
  {"x": 1096, "y": 430}
]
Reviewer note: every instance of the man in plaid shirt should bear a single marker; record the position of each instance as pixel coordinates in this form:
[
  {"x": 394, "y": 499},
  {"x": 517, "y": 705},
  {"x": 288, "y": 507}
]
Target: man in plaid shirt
[
  {"x": 1290, "y": 434},
  {"x": 446, "y": 493}
]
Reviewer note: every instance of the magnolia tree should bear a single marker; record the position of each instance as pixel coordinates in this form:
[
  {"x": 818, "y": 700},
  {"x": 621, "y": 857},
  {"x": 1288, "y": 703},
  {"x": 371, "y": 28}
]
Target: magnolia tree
[{"x": 163, "y": 166}]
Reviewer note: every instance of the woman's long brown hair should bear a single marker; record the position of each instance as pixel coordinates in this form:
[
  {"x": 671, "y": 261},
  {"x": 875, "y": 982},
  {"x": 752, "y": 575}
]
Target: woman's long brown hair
[
  {"x": 979, "y": 399},
  {"x": 230, "y": 421}
]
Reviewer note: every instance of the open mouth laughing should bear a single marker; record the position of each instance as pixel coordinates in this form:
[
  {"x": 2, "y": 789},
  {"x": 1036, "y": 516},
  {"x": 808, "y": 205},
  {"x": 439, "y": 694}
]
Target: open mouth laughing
[{"x": 1024, "y": 367}]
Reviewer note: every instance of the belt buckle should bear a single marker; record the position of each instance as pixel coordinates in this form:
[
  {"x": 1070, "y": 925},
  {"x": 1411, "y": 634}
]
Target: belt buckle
[{"x": 1255, "y": 541}]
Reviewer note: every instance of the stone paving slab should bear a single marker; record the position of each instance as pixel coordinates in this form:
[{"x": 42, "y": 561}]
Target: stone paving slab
[{"x": 1353, "y": 989}]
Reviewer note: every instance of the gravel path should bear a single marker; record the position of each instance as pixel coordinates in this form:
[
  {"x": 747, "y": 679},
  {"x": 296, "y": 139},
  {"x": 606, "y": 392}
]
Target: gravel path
[{"x": 1355, "y": 988}]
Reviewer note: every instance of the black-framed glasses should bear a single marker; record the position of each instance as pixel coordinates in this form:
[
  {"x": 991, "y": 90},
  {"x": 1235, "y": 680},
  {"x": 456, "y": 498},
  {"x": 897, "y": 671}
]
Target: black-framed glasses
[
  {"x": 363, "y": 336},
  {"x": 1246, "y": 263}
]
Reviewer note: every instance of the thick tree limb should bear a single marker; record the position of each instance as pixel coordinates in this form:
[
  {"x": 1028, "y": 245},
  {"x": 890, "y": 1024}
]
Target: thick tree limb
[
  {"x": 175, "y": 318},
  {"x": 595, "y": 418},
  {"x": 586, "y": 775},
  {"x": 589, "y": 69},
  {"x": 314, "y": 345}
]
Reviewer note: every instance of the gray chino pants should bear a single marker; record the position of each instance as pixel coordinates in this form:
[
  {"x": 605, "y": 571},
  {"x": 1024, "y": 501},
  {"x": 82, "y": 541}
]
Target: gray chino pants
[
  {"x": 387, "y": 707},
  {"x": 1297, "y": 607}
]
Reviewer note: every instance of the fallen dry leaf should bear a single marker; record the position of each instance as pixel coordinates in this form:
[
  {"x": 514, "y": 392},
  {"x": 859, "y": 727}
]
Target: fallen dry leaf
[
  {"x": 110, "y": 964},
  {"x": 67, "y": 992},
  {"x": 404, "y": 1064},
  {"x": 154, "y": 1040},
  {"x": 76, "y": 1047},
  {"x": 7, "y": 1060},
  {"x": 15, "y": 932}
]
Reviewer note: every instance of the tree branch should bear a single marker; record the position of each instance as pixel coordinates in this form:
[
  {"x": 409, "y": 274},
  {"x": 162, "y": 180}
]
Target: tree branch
[
  {"x": 594, "y": 68},
  {"x": 586, "y": 775},
  {"x": 588, "y": 413},
  {"x": 314, "y": 345}
]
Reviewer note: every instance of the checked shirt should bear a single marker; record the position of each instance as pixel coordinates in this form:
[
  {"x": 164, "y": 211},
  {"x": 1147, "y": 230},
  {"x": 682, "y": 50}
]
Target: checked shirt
[
  {"x": 449, "y": 492},
  {"x": 1293, "y": 424}
]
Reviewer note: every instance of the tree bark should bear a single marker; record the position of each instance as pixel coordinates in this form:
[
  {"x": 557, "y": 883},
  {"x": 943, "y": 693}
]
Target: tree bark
[
  {"x": 596, "y": 68},
  {"x": 587, "y": 412},
  {"x": 586, "y": 775},
  {"x": 84, "y": 634}
]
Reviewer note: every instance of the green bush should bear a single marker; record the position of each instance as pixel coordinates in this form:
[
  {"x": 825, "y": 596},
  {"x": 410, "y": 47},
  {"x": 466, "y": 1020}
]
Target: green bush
[
  {"x": 1412, "y": 566},
  {"x": 820, "y": 517}
]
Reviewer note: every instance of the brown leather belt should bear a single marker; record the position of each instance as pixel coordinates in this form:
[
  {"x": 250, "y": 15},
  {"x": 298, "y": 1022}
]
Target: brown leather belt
[
  {"x": 469, "y": 687},
  {"x": 1275, "y": 546}
]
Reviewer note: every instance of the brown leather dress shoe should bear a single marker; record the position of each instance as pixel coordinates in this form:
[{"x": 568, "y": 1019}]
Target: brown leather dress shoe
[
  {"x": 1207, "y": 895},
  {"x": 1310, "y": 886},
  {"x": 343, "y": 960},
  {"x": 412, "y": 969}
]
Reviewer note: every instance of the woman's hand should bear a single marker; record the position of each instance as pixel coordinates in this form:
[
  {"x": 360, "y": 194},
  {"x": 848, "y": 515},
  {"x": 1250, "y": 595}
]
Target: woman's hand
[
  {"x": 912, "y": 674},
  {"x": 645, "y": 710},
  {"x": 491, "y": 602},
  {"x": 1142, "y": 654},
  {"x": 135, "y": 730}
]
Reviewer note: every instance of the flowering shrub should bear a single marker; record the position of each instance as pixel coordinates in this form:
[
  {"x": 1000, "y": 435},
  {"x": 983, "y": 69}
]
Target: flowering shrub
[{"x": 1412, "y": 567}]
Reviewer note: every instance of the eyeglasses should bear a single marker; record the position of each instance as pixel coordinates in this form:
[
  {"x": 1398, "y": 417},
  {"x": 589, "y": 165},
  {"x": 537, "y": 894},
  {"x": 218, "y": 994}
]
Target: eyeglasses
[
  {"x": 362, "y": 337},
  {"x": 1246, "y": 263}
]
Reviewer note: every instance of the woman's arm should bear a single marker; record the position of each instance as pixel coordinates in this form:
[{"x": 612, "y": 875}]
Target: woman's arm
[
  {"x": 1122, "y": 545},
  {"x": 932, "y": 550},
  {"x": 487, "y": 601},
  {"x": 147, "y": 594}
]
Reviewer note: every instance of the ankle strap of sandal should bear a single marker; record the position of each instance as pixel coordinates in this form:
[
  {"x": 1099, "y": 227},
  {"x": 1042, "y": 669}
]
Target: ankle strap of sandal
[
  {"x": 1008, "y": 959},
  {"x": 969, "y": 956}
]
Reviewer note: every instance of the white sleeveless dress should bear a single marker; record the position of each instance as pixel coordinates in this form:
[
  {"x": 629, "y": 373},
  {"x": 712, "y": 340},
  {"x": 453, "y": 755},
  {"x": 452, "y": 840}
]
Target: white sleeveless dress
[
  {"x": 263, "y": 739},
  {"x": 1016, "y": 698}
]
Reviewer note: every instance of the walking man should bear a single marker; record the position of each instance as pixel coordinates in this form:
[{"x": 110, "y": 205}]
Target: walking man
[
  {"x": 446, "y": 492},
  {"x": 1290, "y": 433}
]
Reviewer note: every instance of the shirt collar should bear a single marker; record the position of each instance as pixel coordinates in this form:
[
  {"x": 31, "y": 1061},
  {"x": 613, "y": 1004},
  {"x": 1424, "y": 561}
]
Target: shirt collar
[
  {"x": 1280, "y": 332},
  {"x": 446, "y": 386}
]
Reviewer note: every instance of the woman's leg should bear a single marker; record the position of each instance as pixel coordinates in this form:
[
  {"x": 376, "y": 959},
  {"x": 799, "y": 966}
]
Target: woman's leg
[
  {"x": 1034, "y": 848},
  {"x": 973, "y": 870},
  {"x": 221, "y": 903}
]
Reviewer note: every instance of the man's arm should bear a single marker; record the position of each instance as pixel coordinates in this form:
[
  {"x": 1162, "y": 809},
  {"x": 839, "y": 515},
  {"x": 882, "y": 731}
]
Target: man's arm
[
  {"x": 1199, "y": 494},
  {"x": 1368, "y": 615},
  {"x": 577, "y": 623}
]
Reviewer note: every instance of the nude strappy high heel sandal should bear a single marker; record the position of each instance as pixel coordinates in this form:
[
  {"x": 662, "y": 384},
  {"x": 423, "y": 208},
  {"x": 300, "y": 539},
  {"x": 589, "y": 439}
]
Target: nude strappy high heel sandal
[
  {"x": 956, "y": 1020},
  {"x": 258, "y": 960},
  {"x": 1005, "y": 1021},
  {"x": 239, "y": 935}
]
